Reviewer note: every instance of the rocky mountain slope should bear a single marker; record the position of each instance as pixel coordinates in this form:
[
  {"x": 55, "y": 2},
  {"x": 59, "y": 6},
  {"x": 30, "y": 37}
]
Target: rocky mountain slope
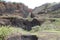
[
  {"x": 13, "y": 14},
  {"x": 50, "y": 10},
  {"x": 19, "y": 15},
  {"x": 15, "y": 9},
  {"x": 41, "y": 23}
]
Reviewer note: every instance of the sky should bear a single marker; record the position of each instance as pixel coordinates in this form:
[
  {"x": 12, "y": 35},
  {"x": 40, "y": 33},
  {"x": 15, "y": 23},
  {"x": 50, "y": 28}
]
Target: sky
[{"x": 34, "y": 3}]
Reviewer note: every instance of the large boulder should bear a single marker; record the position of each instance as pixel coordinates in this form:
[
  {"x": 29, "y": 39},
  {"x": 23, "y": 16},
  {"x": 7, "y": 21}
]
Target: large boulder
[
  {"x": 19, "y": 36},
  {"x": 22, "y": 22}
]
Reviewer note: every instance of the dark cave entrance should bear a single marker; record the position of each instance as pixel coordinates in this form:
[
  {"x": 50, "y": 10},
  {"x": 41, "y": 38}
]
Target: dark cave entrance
[
  {"x": 23, "y": 37},
  {"x": 29, "y": 37}
]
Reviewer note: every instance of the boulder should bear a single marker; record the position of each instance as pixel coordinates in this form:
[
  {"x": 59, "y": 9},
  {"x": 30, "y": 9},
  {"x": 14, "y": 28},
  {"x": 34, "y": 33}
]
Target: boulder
[
  {"x": 19, "y": 36},
  {"x": 4, "y": 22}
]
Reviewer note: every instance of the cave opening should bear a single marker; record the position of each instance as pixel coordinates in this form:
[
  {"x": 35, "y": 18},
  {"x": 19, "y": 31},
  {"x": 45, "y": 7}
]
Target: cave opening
[
  {"x": 29, "y": 37},
  {"x": 23, "y": 37}
]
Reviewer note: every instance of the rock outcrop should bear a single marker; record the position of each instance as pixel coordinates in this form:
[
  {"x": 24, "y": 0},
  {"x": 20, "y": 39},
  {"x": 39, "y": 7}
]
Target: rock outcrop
[
  {"x": 19, "y": 36},
  {"x": 19, "y": 9},
  {"x": 23, "y": 23},
  {"x": 17, "y": 14},
  {"x": 50, "y": 10}
]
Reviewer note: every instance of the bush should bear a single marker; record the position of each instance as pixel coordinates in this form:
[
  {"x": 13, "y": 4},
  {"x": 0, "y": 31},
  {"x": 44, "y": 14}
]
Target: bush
[
  {"x": 3, "y": 32},
  {"x": 35, "y": 29},
  {"x": 6, "y": 30}
]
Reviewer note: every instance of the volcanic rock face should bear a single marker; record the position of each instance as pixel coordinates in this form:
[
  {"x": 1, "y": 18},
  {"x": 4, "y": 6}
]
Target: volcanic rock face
[
  {"x": 4, "y": 22},
  {"x": 50, "y": 10},
  {"x": 13, "y": 8},
  {"x": 22, "y": 23},
  {"x": 15, "y": 14},
  {"x": 10, "y": 14}
]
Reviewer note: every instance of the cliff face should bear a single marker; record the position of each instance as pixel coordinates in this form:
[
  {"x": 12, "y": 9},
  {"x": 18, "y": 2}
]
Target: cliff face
[
  {"x": 13, "y": 14},
  {"x": 50, "y": 10},
  {"x": 17, "y": 14},
  {"x": 18, "y": 9}
]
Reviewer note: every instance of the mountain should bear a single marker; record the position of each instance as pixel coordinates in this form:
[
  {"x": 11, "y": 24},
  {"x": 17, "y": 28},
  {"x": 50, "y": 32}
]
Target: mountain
[
  {"x": 50, "y": 10},
  {"x": 19, "y": 15},
  {"x": 15, "y": 9}
]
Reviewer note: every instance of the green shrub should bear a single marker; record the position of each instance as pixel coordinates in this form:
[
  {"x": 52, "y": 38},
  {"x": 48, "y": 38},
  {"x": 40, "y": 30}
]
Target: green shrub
[
  {"x": 7, "y": 30},
  {"x": 35, "y": 29},
  {"x": 4, "y": 31}
]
